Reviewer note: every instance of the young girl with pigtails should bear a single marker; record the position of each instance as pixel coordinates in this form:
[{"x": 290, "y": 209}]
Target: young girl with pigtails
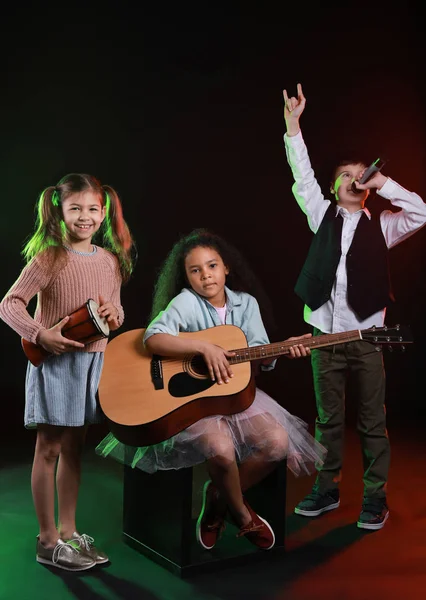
[{"x": 81, "y": 249}]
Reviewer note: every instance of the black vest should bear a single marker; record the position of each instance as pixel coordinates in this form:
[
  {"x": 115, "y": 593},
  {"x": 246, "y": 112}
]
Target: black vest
[{"x": 367, "y": 266}]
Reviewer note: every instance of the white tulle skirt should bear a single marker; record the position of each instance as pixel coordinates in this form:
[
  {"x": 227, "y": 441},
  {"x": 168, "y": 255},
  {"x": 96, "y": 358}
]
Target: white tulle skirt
[{"x": 265, "y": 430}]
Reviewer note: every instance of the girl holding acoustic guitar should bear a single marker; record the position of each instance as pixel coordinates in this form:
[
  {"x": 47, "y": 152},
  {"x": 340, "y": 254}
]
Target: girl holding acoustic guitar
[
  {"x": 205, "y": 283},
  {"x": 64, "y": 270}
]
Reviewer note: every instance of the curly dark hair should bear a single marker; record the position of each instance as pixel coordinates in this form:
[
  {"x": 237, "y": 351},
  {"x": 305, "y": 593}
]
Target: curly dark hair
[{"x": 172, "y": 276}]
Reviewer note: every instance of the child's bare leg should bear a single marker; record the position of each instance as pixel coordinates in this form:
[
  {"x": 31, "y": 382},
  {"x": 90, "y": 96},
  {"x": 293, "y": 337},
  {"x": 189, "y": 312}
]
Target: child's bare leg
[
  {"x": 266, "y": 458},
  {"x": 47, "y": 450},
  {"x": 68, "y": 479},
  {"x": 253, "y": 470},
  {"x": 223, "y": 471},
  {"x": 225, "y": 477}
]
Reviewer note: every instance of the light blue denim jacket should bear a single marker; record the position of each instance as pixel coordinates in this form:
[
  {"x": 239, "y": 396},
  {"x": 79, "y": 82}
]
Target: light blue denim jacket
[{"x": 190, "y": 312}]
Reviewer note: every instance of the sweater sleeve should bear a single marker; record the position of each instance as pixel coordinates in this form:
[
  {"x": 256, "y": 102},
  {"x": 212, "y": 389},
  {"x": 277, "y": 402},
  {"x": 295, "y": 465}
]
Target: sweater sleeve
[{"x": 13, "y": 307}]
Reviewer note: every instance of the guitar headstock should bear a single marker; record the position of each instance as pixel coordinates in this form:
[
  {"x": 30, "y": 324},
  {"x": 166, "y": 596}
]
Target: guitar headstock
[{"x": 396, "y": 336}]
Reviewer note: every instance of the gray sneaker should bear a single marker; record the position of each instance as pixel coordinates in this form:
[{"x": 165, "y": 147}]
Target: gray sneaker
[
  {"x": 316, "y": 503},
  {"x": 64, "y": 555},
  {"x": 374, "y": 514},
  {"x": 85, "y": 544}
]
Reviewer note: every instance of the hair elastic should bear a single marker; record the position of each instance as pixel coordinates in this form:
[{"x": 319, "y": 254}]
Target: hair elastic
[{"x": 55, "y": 197}]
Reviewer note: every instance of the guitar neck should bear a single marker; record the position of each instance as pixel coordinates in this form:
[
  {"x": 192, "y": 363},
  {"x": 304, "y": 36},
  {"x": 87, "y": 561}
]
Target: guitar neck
[{"x": 279, "y": 348}]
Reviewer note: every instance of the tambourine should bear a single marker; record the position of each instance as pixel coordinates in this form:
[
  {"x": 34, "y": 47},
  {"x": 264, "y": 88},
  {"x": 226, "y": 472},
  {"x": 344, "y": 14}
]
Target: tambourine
[{"x": 84, "y": 325}]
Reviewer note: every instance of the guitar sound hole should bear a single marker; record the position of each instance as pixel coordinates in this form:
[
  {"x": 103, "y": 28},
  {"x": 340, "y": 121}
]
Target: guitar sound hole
[{"x": 198, "y": 366}]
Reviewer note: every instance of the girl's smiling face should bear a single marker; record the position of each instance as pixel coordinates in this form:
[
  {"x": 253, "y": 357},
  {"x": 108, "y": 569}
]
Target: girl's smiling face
[{"x": 83, "y": 214}]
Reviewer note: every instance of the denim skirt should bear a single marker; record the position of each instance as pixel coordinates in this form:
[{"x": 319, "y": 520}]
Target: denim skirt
[{"x": 63, "y": 390}]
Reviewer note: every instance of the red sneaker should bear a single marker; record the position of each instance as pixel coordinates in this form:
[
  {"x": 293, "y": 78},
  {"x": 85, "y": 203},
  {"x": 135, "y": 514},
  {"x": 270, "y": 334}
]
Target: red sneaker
[
  {"x": 258, "y": 531},
  {"x": 210, "y": 524}
]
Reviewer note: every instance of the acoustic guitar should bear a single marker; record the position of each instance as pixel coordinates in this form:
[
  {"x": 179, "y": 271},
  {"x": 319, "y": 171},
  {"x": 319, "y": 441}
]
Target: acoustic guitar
[{"x": 148, "y": 398}]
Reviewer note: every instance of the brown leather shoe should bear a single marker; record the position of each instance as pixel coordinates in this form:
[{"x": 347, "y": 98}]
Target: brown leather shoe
[
  {"x": 64, "y": 556},
  {"x": 85, "y": 544}
]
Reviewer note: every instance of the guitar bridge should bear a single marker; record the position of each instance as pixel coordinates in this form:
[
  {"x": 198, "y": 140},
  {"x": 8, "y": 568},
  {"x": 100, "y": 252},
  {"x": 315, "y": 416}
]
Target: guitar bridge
[{"x": 157, "y": 372}]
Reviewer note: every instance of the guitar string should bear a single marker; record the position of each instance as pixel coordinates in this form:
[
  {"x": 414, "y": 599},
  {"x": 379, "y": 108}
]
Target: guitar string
[
  {"x": 268, "y": 350},
  {"x": 280, "y": 348}
]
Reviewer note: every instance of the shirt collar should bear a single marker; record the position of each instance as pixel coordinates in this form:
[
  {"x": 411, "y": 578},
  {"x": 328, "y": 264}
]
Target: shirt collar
[
  {"x": 340, "y": 210},
  {"x": 232, "y": 298}
]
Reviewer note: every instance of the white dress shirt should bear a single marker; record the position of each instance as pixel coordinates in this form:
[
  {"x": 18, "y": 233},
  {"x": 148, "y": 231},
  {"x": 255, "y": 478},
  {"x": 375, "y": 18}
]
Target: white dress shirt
[{"x": 335, "y": 315}]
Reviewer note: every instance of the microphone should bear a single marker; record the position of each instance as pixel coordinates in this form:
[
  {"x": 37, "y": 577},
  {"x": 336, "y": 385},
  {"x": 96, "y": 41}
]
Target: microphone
[{"x": 368, "y": 174}]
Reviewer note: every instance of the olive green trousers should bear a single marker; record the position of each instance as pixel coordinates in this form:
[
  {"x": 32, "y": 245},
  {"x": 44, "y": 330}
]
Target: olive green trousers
[{"x": 355, "y": 367}]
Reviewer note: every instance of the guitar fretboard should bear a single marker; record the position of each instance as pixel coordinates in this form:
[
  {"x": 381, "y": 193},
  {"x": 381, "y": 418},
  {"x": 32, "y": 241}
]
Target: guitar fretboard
[{"x": 279, "y": 348}]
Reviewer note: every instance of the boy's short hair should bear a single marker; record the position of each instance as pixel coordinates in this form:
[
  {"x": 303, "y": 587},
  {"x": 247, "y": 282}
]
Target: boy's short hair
[{"x": 344, "y": 162}]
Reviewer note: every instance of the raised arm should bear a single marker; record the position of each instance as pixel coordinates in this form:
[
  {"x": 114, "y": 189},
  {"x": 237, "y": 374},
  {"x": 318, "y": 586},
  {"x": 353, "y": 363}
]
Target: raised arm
[
  {"x": 293, "y": 109},
  {"x": 305, "y": 189}
]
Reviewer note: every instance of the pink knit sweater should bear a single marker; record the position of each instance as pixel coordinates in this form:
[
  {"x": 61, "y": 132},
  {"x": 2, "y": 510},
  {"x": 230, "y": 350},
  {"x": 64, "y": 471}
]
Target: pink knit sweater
[{"x": 84, "y": 276}]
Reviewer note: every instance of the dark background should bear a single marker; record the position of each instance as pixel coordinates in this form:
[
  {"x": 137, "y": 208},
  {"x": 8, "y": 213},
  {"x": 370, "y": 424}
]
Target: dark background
[{"x": 179, "y": 107}]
